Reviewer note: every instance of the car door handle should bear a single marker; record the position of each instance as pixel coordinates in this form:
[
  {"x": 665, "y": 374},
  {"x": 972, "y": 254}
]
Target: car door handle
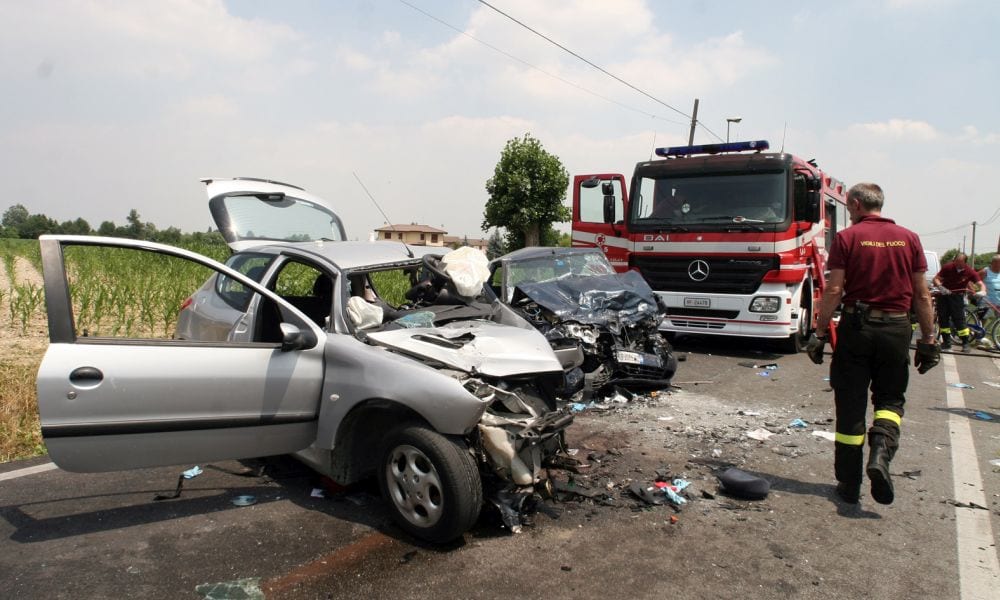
[{"x": 86, "y": 375}]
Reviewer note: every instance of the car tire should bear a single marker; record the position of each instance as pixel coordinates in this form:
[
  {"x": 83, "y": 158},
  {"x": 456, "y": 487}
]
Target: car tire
[{"x": 431, "y": 483}]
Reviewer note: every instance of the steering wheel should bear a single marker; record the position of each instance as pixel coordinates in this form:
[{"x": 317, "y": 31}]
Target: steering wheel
[{"x": 434, "y": 264}]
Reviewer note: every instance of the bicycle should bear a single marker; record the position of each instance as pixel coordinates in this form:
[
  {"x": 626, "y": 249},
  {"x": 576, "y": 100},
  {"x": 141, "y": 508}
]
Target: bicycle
[{"x": 988, "y": 316}]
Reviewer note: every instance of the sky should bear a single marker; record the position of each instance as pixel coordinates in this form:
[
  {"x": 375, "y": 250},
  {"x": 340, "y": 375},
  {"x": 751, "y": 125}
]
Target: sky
[{"x": 109, "y": 106}]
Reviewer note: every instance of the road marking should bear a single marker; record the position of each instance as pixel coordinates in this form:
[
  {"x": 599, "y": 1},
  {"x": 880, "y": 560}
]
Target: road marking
[
  {"x": 28, "y": 471},
  {"x": 978, "y": 571}
]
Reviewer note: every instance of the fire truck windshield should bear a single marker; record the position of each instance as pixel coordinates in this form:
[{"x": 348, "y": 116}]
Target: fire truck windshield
[{"x": 709, "y": 200}]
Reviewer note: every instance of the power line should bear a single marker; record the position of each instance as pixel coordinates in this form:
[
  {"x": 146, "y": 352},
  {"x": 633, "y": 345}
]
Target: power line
[
  {"x": 598, "y": 67},
  {"x": 539, "y": 69}
]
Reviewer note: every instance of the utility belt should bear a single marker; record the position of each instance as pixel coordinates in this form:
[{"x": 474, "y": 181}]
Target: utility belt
[{"x": 862, "y": 312}]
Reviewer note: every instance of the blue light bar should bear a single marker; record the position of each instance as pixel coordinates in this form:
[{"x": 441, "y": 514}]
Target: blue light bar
[{"x": 757, "y": 145}]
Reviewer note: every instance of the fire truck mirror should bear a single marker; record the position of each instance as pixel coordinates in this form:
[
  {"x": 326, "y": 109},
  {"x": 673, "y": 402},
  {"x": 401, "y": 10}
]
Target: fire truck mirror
[
  {"x": 812, "y": 208},
  {"x": 590, "y": 183},
  {"x": 609, "y": 208},
  {"x": 814, "y": 184}
]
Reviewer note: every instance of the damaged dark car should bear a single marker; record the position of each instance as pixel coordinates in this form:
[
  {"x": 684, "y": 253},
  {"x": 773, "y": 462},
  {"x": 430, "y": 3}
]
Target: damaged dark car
[{"x": 577, "y": 300}]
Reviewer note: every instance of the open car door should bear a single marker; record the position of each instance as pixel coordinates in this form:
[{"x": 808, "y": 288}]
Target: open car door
[
  {"x": 116, "y": 391},
  {"x": 600, "y": 202}
]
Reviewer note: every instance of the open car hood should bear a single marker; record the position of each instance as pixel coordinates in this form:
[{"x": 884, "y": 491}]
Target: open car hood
[
  {"x": 251, "y": 212},
  {"x": 595, "y": 299},
  {"x": 479, "y": 347}
]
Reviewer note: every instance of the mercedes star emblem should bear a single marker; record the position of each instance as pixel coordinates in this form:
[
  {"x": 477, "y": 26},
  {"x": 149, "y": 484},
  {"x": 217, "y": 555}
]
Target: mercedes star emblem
[{"x": 698, "y": 270}]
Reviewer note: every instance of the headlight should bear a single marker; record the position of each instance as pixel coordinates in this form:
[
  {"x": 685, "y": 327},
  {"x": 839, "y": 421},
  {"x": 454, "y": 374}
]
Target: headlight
[
  {"x": 584, "y": 333},
  {"x": 765, "y": 304}
]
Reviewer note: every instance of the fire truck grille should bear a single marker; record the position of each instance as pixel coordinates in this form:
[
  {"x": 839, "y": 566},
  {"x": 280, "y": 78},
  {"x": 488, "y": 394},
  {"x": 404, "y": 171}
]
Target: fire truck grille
[{"x": 688, "y": 274}]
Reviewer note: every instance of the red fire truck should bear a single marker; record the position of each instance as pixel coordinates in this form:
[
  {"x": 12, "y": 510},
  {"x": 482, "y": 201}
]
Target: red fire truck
[{"x": 733, "y": 238}]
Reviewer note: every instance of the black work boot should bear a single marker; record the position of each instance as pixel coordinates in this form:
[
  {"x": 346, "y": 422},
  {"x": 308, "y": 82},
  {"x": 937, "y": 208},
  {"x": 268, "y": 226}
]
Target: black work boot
[
  {"x": 849, "y": 492},
  {"x": 847, "y": 468},
  {"x": 945, "y": 340},
  {"x": 878, "y": 469}
]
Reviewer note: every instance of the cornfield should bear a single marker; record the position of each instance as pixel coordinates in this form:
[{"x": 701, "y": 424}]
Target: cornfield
[{"x": 115, "y": 292}]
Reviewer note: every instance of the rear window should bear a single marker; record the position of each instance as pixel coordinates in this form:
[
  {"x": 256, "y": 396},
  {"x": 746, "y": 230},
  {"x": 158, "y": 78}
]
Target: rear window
[{"x": 233, "y": 292}]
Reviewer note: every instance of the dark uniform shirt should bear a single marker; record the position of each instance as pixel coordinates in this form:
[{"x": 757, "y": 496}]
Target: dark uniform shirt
[
  {"x": 956, "y": 280},
  {"x": 879, "y": 259}
]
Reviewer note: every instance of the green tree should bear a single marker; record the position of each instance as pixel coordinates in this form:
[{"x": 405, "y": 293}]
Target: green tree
[
  {"x": 494, "y": 246},
  {"x": 80, "y": 226},
  {"x": 14, "y": 218},
  {"x": 526, "y": 194},
  {"x": 107, "y": 228},
  {"x": 37, "y": 225}
]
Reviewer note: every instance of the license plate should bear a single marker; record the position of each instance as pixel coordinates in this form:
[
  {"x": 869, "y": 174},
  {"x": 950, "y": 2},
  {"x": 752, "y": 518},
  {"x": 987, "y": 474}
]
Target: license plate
[
  {"x": 638, "y": 358},
  {"x": 698, "y": 302}
]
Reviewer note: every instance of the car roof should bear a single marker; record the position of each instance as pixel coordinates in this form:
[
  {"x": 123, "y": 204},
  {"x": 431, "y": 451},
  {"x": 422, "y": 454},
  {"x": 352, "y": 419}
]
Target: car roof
[
  {"x": 540, "y": 251},
  {"x": 357, "y": 255}
]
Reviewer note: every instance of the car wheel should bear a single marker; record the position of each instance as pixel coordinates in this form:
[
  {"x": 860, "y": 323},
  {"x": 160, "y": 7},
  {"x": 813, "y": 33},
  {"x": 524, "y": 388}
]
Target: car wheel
[{"x": 431, "y": 482}]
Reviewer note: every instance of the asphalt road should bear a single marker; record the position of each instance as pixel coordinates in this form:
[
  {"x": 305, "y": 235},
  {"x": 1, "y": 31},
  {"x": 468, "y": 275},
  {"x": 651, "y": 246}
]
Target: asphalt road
[{"x": 65, "y": 535}]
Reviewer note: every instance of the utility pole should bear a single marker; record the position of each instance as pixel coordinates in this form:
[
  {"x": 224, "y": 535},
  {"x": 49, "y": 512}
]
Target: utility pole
[
  {"x": 694, "y": 123},
  {"x": 972, "y": 256}
]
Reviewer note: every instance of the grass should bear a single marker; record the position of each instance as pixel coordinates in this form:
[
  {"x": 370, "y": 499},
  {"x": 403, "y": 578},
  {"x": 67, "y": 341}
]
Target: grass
[{"x": 20, "y": 430}]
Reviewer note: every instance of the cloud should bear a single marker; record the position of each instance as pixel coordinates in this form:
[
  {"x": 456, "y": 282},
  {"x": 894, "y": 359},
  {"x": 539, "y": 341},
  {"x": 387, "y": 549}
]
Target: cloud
[
  {"x": 896, "y": 129},
  {"x": 971, "y": 135},
  {"x": 135, "y": 39},
  {"x": 214, "y": 106}
]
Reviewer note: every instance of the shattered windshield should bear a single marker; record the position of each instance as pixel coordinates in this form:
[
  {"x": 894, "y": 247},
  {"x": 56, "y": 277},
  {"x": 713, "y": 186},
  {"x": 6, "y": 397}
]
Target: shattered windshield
[
  {"x": 756, "y": 198},
  {"x": 557, "y": 266}
]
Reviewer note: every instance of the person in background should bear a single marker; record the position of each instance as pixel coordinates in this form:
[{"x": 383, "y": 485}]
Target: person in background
[
  {"x": 954, "y": 279},
  {"x": 877, "y": 272},
  {"x": 990, "y": 276}
]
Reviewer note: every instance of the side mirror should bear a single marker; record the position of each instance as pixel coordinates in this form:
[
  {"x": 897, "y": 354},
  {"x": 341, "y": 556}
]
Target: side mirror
[
  {"x": 590, "y": 183},
  {"x": 812, "y": 207},
  {"x": 293, "y": 338},
  {"x": 814, "y": 184},
  {"x": 609, "y": 209}
]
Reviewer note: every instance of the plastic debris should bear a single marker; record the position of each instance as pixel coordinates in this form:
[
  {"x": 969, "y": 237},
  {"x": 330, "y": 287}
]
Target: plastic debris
[
  {"x": 768, "y": 366},
  {"x": 245, "y": 500},
  {"x": 645, "y": 493},
  {"x": 578, "y": 407},
  {"x": 963, "y": 386},
  {"x": 764, "y": 373},
  {"x": 760, "y": 434},
  {"x": 317, "y": 493},
  {"x": 798, "y": 424},
  {"x": 744, "y": 485},
  {"x": 192, "y": 472},
  {"x": 242, "y": 589},
  {"x": 826, "y": 435},
  {"x": 995, "y": 462},
  {"x": 982, "y": 416},
  {"x": 749, "y": 413},
  {"x": 664, "y": 418}
]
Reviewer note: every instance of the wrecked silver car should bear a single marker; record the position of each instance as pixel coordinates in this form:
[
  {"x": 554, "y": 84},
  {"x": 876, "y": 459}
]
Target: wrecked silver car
[
  {"x": 574, "y": 296},
  {"x": 351, "y": 355}
]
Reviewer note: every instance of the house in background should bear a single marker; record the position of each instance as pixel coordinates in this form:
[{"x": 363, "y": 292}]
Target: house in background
[
  {"x": 454, "y": 241},
  {"x": 413, "y": 234}
]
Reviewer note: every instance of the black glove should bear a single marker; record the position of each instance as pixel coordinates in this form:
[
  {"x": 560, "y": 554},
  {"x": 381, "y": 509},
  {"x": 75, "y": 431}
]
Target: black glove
[
  {"x": 926, "y": 356},
  {"x": 815, "y": 348}
]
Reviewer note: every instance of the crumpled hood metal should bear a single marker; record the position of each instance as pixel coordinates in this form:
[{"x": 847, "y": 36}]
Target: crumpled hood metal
[
  {"x": 476, "y": 347},
  {"x": 596, "y": 299}
]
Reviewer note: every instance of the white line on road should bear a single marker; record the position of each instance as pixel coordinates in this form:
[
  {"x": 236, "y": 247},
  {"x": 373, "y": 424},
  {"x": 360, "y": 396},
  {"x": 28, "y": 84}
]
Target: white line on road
[
  {"x": 978, "y": 571},
  {"x": 28, "y": 471}
]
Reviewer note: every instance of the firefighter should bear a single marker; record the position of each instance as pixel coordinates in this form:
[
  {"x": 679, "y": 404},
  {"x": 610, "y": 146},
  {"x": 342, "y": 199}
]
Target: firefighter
[
  {"x": 955, "y": 278},
  {"x": 876, "y": 271}
]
